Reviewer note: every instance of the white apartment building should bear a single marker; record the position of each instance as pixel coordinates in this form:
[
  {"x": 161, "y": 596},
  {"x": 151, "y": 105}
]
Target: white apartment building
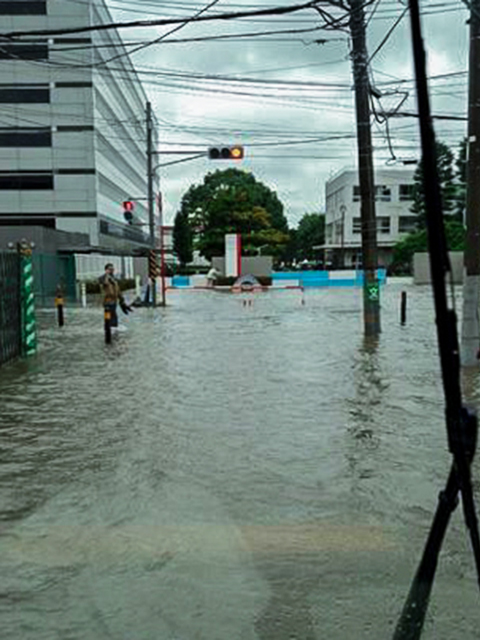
[
  {"x": 73, "y": 133},
  {"x": 393, "y": 199}
]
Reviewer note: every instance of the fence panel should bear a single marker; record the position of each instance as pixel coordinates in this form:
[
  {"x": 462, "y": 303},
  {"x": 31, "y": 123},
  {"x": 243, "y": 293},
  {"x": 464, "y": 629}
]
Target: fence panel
[{"x": 10, "y": 307}]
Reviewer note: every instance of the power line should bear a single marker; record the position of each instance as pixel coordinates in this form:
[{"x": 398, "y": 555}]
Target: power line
[{"x": 312, "y": 4}]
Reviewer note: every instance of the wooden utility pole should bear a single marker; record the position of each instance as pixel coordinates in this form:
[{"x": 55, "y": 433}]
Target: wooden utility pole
[
  {"x": 470, "y": 342},
  {"x": 371, "y": 289}
]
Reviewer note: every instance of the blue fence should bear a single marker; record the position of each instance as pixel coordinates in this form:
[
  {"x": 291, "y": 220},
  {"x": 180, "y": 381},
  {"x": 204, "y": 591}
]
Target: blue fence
[
  {"x": 308, "y": 278},
  {"x": 326, "y": 278}
]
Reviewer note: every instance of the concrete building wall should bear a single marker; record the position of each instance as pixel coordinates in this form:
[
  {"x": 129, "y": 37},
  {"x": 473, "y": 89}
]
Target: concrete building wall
[
  {"x": 89, "y": 127},
  {"x": 393, "y": 201},
  {"x": 421, "y": 267},
  {"x": 254, "y": 265}
]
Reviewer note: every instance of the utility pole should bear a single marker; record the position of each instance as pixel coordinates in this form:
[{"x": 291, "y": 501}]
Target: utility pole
[
  {"x": 371, "y": 289},
  {"x": 151, "y": 211},
  {"x": 470, "y": 342}
]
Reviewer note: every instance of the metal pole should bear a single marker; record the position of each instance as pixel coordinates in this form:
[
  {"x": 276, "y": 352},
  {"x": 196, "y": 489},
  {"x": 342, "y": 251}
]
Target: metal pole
[
  {"x": 151, "y": 212},
  {"x": 162, "y": 265},
  {"x": 470, "y": 324},
  {"x": 403, "y": 308},
  {"x": 371, "y": 298}
]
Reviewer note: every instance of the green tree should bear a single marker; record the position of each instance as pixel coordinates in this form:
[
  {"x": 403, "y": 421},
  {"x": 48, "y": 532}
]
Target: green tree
[
  {"x": 233, "y": 201},
  {"x": 310, "y": 233},
  {"x": 182, "y": 238},
  {"x": 418, "y": 242},
  {"x": 445, "y": 161}
]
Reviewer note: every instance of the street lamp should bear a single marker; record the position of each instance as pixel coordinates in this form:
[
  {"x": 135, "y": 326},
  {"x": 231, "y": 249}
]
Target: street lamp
[
  {"x": 259, "y": 249},
  {"x": 343, "y": 210}
]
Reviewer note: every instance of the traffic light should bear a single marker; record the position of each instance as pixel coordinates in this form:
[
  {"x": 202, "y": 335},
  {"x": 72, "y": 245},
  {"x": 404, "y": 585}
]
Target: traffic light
[
  {"x": 232, "y": 152},
  {"x": 152, "y": 264},
  {"x": 128, "y": 207}
]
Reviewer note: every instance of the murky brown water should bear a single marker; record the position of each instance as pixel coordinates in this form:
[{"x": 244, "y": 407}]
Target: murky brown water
[{"x": 224, "y": 472}]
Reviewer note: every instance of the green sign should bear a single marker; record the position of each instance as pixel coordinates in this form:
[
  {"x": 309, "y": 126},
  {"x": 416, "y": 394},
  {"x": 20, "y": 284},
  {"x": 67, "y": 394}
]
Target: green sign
[{"x": 373, "y": 291}]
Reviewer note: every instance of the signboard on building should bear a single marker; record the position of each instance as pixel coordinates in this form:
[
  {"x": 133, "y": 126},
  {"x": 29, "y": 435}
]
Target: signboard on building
[{"x": 233, "y": 255}]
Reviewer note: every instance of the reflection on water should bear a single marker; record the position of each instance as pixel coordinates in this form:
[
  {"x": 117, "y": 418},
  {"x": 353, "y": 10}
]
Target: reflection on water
[{"x": 228, "y": 471}]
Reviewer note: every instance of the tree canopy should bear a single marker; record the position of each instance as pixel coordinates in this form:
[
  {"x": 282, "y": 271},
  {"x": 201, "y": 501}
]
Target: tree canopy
[
  {"x": 182, "y": 239},
  {"x": 446, "y": 175},
  {"x": 310, "y": 233},
  {"x": 233, "y": 201},
  {"x": 418, "y": 242}
]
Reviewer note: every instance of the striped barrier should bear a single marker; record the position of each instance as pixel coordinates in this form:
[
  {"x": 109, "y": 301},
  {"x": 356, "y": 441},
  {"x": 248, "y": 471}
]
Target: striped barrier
[{"x": 29, "y": 328}]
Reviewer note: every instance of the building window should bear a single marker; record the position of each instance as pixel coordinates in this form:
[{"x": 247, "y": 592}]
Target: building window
[
  {"x": 383, "y": 224},
  {"x": 407, "y": 224},
  {"x": 383, "y": 193},
  {"x": 329, "y": 232},
  {"x": 405, "y": 192},
  {"x": 23, "y": 51},
  {"x": 23, "y": 7},
  {"x": 25, "y": 138},
  {"x": 357, "y": 225},
  {"x": 16, "y": 94},
  {"x": 26, "y": 181}
]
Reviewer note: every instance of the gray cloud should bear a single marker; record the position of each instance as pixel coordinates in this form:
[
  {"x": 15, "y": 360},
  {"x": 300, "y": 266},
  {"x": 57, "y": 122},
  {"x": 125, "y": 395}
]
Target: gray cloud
[{"x": 189, "y": 118}]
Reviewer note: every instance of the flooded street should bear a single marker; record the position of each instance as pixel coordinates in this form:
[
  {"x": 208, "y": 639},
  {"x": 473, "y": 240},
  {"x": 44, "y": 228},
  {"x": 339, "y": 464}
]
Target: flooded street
[{"x": 225, "y": 472}]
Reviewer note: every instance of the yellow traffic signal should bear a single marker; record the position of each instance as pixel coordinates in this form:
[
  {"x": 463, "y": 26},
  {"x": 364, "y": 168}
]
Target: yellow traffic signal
[{"x": 232, "y": 152}]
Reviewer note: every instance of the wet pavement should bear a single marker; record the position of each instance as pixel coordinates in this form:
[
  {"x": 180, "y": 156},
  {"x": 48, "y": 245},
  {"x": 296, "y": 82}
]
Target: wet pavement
[{"x": 226, "y": 472}]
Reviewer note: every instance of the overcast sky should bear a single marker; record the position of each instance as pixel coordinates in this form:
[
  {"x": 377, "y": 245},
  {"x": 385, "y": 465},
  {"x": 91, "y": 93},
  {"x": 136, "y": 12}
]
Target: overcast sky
[{"x": 313, "y": 102}]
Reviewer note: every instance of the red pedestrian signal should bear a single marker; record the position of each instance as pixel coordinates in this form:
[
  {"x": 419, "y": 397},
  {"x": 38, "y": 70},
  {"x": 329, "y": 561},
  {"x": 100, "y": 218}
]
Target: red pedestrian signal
[
  {"x": 232, "y": 152},
  {"x": 128, "y": 207}
]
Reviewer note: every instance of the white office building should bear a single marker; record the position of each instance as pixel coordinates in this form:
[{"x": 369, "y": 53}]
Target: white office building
[
  {"x": 393, "y": 199},
  {"x": 73, "y": 134}
]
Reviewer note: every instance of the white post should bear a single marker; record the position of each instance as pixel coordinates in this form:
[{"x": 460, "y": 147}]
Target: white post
[
  {"x": 138, "y": 287},
  {"x": 83, "y": 289}
]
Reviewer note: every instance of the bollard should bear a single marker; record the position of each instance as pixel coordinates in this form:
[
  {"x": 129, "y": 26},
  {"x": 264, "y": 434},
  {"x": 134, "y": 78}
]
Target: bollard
[
  {"x": 83, "y": 289},
  {"x": 403, "y": 308},
  {"x": 59, "y": 303},
  {"x": 108, "y": 329}
]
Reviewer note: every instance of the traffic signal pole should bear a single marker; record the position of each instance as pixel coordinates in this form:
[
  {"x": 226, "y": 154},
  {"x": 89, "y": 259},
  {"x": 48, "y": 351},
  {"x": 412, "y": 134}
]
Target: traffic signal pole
[
  {"x": 151, "y": 211},
  {"x": 371, "y": 290}
]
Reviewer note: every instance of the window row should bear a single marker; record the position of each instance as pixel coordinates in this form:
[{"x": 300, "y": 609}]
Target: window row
[
  {"x": 406, "y": 224},
  {"x": 30, "y": 51},
  {"x": 383, "y": 193},
  {"x": 26, "y": 181},
  {"x": 35, "y": 137},
  {"x": 23, "y": 7},
  {"x": 38, "y": 94},
  {"x": 36, "y": 181}
]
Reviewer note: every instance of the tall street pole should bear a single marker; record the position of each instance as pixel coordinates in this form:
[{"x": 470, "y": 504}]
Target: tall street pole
[
  {"x": 470, "y": 341},
  {"x": 151, "y": 204},
  {"x": 371, "y": 289}
]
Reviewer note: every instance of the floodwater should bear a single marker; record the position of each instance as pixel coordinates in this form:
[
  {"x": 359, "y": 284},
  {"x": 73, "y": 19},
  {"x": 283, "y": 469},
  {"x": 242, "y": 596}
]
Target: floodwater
[{"x": 228, "y": 472}]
